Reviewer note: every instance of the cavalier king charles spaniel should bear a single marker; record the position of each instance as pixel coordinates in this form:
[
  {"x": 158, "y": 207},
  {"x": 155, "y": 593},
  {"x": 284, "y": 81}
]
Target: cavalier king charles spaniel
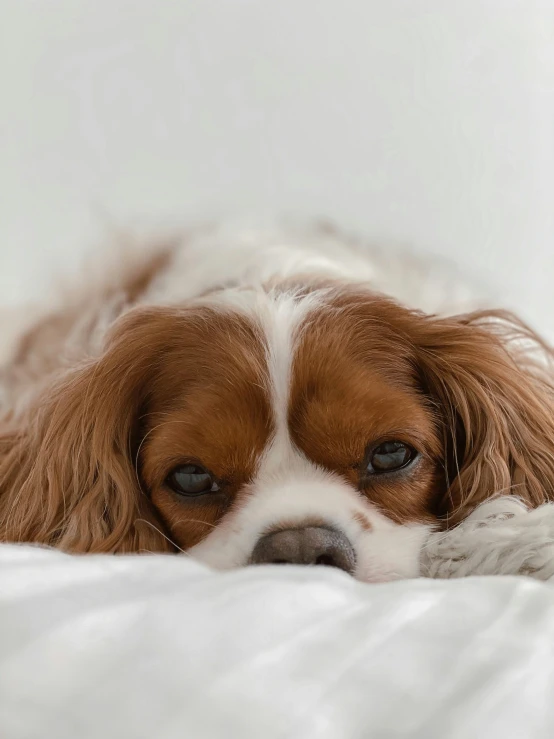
[{"x": 251, "y": 400}]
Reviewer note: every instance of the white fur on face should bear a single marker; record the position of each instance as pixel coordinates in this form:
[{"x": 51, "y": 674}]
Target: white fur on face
[{"x": 290, "y": 488}]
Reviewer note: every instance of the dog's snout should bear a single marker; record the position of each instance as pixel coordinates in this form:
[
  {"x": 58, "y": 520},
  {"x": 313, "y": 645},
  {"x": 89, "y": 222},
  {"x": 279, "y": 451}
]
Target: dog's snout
[{"x": 312, "y": 545}]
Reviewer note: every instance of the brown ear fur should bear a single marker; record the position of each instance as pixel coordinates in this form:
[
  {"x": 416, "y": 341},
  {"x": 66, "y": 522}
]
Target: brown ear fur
[
  {"x": 67, "y": 477},
  {"x": 490, "y": 378}
]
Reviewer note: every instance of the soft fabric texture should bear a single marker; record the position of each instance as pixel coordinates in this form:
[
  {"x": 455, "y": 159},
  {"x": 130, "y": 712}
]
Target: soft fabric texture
[{"x": 160, "y": 646}]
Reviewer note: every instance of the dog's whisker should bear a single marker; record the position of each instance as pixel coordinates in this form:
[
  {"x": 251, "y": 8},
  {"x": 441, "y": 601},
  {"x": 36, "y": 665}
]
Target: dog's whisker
[
  {"x": 195, "y": 520},
  {"x": 173, "y": 543}
]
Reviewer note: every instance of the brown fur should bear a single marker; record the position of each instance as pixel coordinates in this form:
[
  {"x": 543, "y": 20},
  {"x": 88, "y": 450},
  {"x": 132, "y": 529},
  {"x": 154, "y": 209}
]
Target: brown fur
[
  {"x": 208, "y": 404},
  {"x": 74, "y": 469},
  {"x": 485, "y": 378},
  {"x": 83, "y": 468}
]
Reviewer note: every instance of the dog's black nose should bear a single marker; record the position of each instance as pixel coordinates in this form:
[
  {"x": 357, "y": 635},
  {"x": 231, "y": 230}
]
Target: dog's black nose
[{"x": 312, "y": 545}]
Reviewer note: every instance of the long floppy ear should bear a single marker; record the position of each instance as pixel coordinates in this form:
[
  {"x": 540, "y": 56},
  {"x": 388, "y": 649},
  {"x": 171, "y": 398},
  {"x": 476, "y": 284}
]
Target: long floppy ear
[
  {"x": 491, "y": 379},
  {"x": 67, "y": 472}
]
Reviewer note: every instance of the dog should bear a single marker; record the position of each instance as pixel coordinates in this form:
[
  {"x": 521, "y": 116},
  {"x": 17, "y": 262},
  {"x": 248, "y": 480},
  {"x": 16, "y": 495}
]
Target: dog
[{"x": 255, "y": 398}]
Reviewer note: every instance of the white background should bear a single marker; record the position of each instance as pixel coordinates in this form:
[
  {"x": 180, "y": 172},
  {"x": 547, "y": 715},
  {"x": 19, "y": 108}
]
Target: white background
[{"x": 427, "y": 123}]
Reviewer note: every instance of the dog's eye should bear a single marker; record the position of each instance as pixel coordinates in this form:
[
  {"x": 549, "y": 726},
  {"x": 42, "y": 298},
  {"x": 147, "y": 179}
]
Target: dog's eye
[
  {"x": 191, "y": 480},
  {"x": 389, "y": 457}
]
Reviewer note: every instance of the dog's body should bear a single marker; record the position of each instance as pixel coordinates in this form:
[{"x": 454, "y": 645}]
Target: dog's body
[{"x": 258, "y": 399}]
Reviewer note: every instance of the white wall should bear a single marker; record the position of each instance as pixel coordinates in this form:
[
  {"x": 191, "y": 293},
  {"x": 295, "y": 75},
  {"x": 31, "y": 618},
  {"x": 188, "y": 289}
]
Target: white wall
[{"x": 425, "y": 122}]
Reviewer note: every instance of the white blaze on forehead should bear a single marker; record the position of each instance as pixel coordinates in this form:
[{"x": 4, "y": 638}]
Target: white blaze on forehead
[{"x": 282, "y": 323}]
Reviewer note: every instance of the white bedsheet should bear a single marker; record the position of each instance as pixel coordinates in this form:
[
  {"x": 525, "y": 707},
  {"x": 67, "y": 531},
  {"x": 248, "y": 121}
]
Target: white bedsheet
[{"x": 160, "y": 647}]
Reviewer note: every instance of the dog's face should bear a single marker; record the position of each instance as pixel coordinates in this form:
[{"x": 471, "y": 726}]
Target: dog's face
[
  {"x": 329, "y": 426},
  {"x": 295, "y": 432}
]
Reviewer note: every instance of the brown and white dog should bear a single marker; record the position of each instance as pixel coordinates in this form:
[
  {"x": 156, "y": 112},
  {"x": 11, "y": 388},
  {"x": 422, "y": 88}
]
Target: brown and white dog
[{"x": 253, "y": 399}]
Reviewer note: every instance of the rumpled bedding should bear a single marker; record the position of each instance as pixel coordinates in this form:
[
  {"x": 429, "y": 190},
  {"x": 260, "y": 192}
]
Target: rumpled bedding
[{"x": 160, "y": 647}]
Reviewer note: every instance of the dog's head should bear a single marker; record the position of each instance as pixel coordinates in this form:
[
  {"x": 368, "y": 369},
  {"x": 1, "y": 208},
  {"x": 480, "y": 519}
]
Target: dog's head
[{"x": 323, "y": 426}]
